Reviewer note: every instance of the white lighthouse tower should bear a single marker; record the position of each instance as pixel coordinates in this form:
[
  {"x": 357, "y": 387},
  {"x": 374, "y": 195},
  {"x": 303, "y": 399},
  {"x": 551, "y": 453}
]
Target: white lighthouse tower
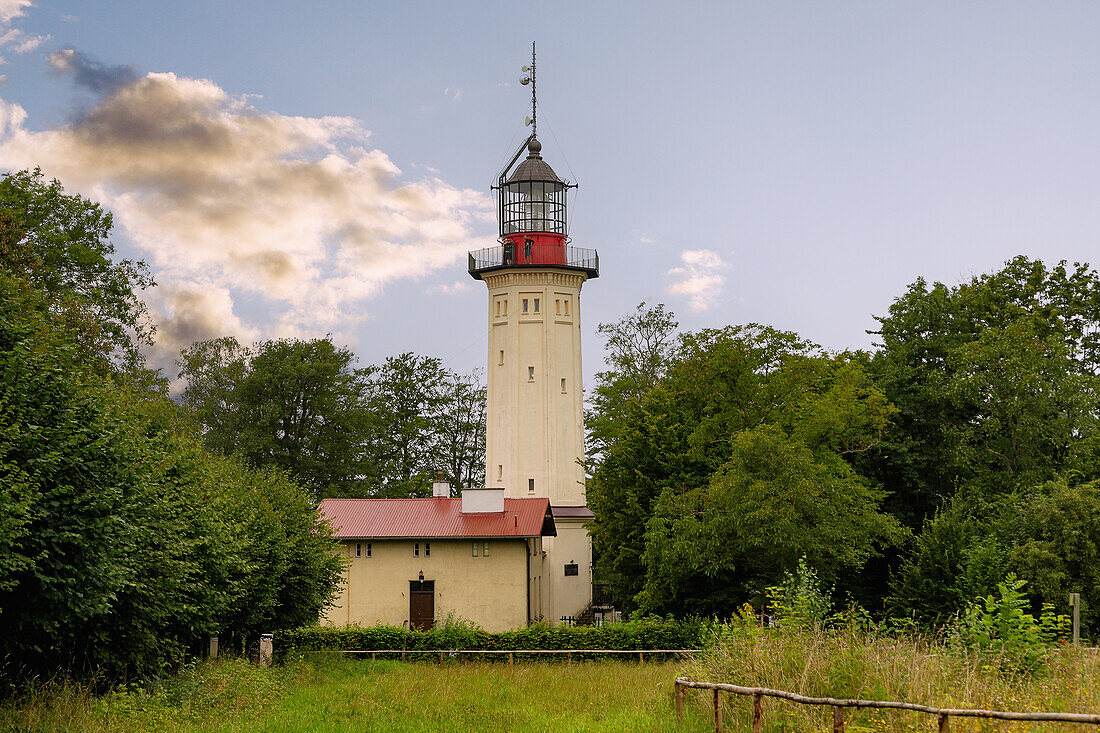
[{"x": 534, "y": 428}]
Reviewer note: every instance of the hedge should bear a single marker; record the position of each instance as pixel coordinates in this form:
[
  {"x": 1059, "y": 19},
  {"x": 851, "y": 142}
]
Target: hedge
[{"x": 645, "y": 633}]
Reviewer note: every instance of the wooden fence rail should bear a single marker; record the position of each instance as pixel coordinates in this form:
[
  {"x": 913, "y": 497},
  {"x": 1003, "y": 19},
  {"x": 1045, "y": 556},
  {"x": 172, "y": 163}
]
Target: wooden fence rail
[
  {"x": 838, "y": 705},
  {"x": 510, "y": 652}
]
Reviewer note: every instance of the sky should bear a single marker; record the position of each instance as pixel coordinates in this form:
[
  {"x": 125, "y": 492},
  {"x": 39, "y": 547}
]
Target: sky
[{"x": 295, "y": 169}]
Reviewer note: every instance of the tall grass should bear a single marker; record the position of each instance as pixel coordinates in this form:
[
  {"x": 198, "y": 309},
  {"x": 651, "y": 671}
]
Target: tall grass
[
  {"x": 911, "y": 669},
  {"x": 353, "y": 695}
]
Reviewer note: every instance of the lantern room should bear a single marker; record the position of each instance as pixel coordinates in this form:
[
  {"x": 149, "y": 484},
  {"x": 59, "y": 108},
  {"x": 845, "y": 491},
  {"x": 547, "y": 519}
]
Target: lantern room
[{"x": 532, "y": 215}]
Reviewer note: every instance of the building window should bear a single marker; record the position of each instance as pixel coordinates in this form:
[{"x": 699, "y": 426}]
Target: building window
[
  {"x": 475, "y": 548},
  {"x": 500, "y": 472},
  {"x": 557, "y": 306},
  {"x": 506, "y": 307},
  {"x": 566, "y": 306},
  {"x": 530, "y": 484},
  {"x": 358, "y": 550},
  {"x": 500, "y": 360},
  {"x": 563, "y": 385},
  {"x": 416, "y": 549},
  {"x": 530, "y": 374},
  {"x": 536, "y": 305},
  {"x": 485, "y": 549},
  {"x": 368, "y": 549},
  {"x": 427, "y": 549},
  {"x": 525, "y": 305},
  {"x": 571, "y": 568}
]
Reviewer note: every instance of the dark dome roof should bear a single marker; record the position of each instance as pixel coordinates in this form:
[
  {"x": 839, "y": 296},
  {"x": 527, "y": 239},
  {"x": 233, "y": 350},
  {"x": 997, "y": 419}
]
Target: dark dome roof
[{"x": 534, "y": 168}]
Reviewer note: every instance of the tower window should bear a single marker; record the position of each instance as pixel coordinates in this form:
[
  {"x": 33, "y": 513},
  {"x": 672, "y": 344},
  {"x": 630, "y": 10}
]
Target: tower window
[
  {"x": 530, "y": 374},
  {"x": 506, "y": 307},
  {"x": 525, "y": 305},
  {"x": 500, "y": 472},
  {"x": 566, "y": 306},
  {"x": 500, "y": 361},
  {"x": 563, "y": 385},
  {"x": 536, "y": 305},
  {"x": 531, "y": 484},
  {"x": 557, "y": 306}
]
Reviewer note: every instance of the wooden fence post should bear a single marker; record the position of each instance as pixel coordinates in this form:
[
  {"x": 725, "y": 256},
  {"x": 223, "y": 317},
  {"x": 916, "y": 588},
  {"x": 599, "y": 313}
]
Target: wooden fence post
[
  {"x": 838, "y": 719},
  {"x": 758, "y": 713},
  {"x": 717, "y": 712},
  {"x": 1075, "y": 607},
  {"x": 511, "y": 659},
  {"x": 680, "y": 691},
  {"x": 945, "y": 723},
  {"x": 641, "y": 658}
]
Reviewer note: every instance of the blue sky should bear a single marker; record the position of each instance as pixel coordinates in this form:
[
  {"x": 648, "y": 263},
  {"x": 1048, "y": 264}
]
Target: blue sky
[{"x": 301, "y": 169}]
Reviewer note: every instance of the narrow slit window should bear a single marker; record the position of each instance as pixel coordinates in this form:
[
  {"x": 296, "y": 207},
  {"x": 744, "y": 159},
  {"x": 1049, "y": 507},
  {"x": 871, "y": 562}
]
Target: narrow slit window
[
  {"x": 368, "y": 549},
  {"x": 500, "y": 472},
  {"x": 358, "y": 550},
  {"x": 498, "y": 309},
  {"x": 536, "y": 305},
  {"x": 557, "y": 306},
  {"x": 427, "y": 549},
  {"x": 500, "y": 360},
  {"x": 563, "y": 385},
  {"x": 567, "y": 306},
  {"x": 524, "y": 309},
  {"x": 505, "y": 307},
  {"x": 530, "y": 484},
  {"x": 475, "y": 549},
  {"x": 485, "y": 550},
  {"x": 530, "y": 374},
  {"x": 416, "y": 549}
]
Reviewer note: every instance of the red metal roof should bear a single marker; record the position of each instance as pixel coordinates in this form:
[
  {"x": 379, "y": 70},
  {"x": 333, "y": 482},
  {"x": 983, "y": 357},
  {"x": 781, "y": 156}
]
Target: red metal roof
[{"x": 436, "y": 517}]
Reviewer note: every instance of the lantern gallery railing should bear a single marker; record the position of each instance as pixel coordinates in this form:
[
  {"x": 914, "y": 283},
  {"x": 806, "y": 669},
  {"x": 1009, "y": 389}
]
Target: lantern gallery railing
[{"x": 536, "y": 255}]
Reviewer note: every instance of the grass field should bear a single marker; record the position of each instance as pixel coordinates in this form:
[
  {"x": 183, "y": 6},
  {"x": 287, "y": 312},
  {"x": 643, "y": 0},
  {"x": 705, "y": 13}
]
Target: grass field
[
  {"x": 323, "y": 693},
  {"x": 350, "y": 695}
]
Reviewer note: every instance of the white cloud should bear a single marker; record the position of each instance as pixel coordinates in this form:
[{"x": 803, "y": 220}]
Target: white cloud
[
  {"x": 458, "y": 286},
  {"x": 13, "y": 38},
  {"x": 12, "y": 9},
  {"x": 699, "y": 280},
  {"x": 224, "y": 198}
]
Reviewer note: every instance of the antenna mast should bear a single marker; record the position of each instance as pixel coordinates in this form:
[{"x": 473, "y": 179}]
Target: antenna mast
[
  {"x": 533, "y": 120},
  {"x": 534, "y": 99}
]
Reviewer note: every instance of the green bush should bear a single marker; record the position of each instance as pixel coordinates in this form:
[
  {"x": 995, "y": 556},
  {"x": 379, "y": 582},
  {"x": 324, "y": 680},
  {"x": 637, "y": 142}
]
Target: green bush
[
  {"x": 1001, "y": 625},
  {"x": 645, "y": 633}
]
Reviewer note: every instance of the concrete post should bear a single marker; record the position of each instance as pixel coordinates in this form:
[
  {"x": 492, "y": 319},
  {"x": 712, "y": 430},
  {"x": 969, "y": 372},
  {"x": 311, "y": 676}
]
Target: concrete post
[
  {"x": 213, "y": 647},
  {"x": 265, "y": 649}
]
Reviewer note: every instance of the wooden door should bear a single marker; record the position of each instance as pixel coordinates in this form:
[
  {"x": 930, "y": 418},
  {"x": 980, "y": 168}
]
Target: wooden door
[{"x": 421, "y": 604}]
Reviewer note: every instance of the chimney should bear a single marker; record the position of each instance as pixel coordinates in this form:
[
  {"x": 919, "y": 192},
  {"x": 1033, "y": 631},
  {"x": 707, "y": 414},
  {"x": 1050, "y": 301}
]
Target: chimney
[
  {"x": 441, "y": 488},
  {"x": 483, "y": 501}
]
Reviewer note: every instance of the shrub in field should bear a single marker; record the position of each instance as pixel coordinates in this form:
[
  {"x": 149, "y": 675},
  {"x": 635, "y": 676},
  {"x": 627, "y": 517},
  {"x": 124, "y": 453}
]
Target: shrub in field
[
  {"x": 1002, "y": 625},
  {"x": 799, "y": 601}
]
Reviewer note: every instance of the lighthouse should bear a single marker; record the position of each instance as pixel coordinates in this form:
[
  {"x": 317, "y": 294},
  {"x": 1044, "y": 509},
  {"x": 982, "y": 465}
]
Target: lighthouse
[{"x": 534, "y": 427}]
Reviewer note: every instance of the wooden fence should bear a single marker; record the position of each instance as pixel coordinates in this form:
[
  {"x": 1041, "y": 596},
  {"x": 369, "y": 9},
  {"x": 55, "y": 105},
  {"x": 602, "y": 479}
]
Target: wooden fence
[
  {"x": 944, "y": 714},
  {"x": 443, "y": 653}
]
